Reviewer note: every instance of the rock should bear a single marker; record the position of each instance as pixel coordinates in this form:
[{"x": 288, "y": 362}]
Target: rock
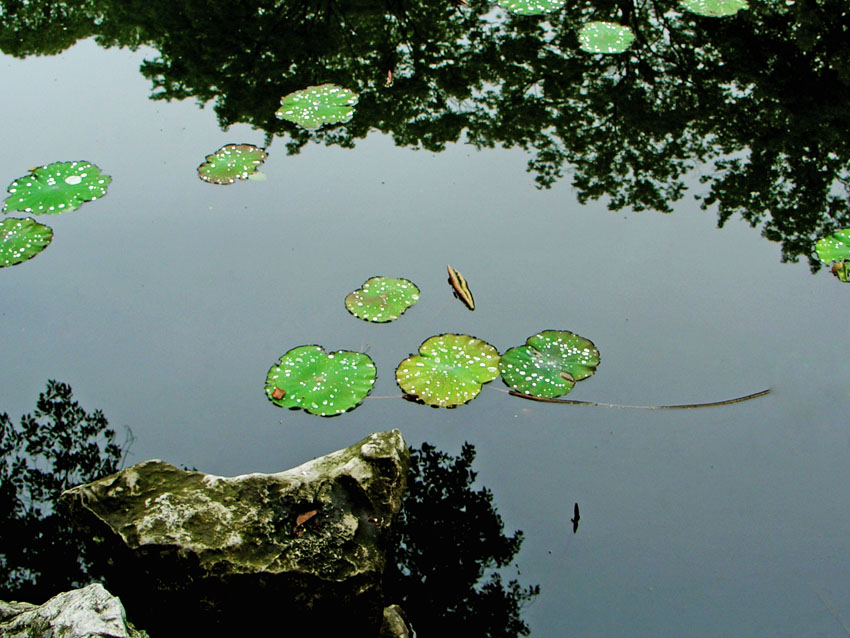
[
  {"x": 395, "y": 623},
  {"x": 90, "y": 612},
  {"x": 251, "y": 553}
]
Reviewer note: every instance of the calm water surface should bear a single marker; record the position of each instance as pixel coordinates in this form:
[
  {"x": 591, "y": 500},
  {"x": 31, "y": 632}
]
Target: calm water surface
[{"x": 166, "y": 302}]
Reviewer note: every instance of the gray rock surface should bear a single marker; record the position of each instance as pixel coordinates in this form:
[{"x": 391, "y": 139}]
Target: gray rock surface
[
  {"x": 90, "y": 612},
  {"x": 257, "y": 552}
]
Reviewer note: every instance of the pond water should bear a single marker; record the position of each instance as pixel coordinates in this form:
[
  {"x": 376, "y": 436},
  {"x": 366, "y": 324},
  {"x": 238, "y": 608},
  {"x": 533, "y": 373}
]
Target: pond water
[{"x": 165, "y": 303}]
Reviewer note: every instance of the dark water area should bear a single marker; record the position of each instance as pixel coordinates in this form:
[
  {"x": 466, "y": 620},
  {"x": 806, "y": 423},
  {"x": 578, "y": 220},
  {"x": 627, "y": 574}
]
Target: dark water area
[{"x": 165, "y": 302}]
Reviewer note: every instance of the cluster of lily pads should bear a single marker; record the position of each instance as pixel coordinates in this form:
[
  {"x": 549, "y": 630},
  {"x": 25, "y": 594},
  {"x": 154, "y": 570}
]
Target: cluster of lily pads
[
  {"x": 310, "y": 108},
  {"x": 448, "y": 370},
  {"x": 46, "y": 190},
  {"x": 835, "y": 250},
  {"x": 610, "y": 37}
]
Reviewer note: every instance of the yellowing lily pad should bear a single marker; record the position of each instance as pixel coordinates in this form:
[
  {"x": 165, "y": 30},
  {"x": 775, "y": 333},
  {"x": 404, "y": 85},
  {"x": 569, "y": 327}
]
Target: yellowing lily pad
[
  {"x": 321, "y": 383},
  {"x": 714, "y": 8},
  {"x": 56, "y": 188},
  {"x": 232, "y": 162},
  {"x": 382, "y": 299},
  {"x": 605, "y": 37},
  {"x": 449, "y": 370},
  {"x": 22, "y": 239},
  {"x": 316, "y": 106},
  {"x": 532, "y": 7},
  {"x": 549, "y": 364}
]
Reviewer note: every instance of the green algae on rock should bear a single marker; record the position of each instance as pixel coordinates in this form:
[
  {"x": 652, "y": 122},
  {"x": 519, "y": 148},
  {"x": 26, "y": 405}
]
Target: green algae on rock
[{"x": 226, "y": 551}]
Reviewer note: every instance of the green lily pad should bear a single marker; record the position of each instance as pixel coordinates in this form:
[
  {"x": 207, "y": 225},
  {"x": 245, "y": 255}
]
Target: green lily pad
[
  {"x": 714, "y": 8},
  {"x": 549, "y": 364},
  {"x": 835, "y": 247},
  {"x": 605, "y": 37},
  {"x": 56, "y": 187},
  {"x": 321, "y": 383},
  {"x": 232, "y": 162},
  {"x": 449, "y": 370},
  {"x": 318, "y": 105},
  {"x": 382, "y": 299},
  {"x": 532, "y": 7},
  {"x": 22, "y": 239}
]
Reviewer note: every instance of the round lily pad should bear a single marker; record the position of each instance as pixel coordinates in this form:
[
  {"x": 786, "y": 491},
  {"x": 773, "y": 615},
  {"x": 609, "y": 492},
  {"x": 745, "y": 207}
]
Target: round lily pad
[
  {"x": 835, "y": 247},
  {"x": 56, "y": 187},
  {"x": 321, "y": 383},
  {"x": 532, "y": 7},
  {"x": 449, "y": 370},
  {"x": 318, "y": 105},
  {"x": 549, "y": 364},
  {"x": 382, "y": 299},
  {"x": 605, "y": 37},
  {"x": 714, "y": 8},
  {"x": 232, "y": 162},
  {"x": 22, "y": 239}
]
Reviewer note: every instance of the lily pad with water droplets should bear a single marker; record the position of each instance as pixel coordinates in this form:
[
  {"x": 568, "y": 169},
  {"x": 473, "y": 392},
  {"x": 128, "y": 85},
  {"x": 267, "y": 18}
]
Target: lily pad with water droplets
[
  {"x": 549, "y": 364},
  {"x": 714, "y": 8},
  {"x": 318, "y": 105},
  {"x": 835, "y": 247},
  {"x": 56, "y": 187},
  {"x": 605, "y": 37},
  {"x": 232, "y": 162},
  {"x": 22, "y": 239},
  {"x": 532, "y": 7},
  {"x": 321, "y": 383},
  {"x": 449, "y": 370},
  {"x": 382, "y": 299}
]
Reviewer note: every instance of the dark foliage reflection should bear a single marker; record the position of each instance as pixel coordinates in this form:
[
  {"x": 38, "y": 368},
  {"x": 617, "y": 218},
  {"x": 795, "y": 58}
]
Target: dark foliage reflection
[{"x": 761, "y": 97}]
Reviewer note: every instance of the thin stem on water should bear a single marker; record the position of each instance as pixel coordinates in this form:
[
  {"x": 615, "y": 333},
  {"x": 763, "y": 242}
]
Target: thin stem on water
[{"x": 685, "y": 406}]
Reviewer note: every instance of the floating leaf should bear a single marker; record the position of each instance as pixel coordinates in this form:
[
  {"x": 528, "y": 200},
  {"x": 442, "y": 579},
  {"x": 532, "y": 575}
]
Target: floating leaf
[
  {"x": 549, "y": 364},
  {"x": 318, "y": 105},
  {"x": 714, "y": 8},
  {"x": 605, "y": 37},
  {"x": 56, "y": 187},
  {"x": 449, "y": 370},
  {"x": 532, "y": 7},
  {"x": 321, "y": 383},
  {"x": 835, "y": 247},
  {"x": 22, "y": 239},
  {"x": 460, "y": 288},
  {"x": 232, "y": 162},
  {"x": 382, "y": 299},
  {"x": 841, "y": 269}
]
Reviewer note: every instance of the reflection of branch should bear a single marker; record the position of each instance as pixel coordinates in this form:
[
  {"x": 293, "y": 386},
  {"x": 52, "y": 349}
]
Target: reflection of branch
[{"x": 686, "y": 406}]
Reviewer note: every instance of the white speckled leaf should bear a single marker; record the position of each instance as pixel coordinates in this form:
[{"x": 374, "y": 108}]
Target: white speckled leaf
[
  {"x": 549, "y": 364},
  {"x": 316, "y": 106},
  {"x": 605, "y": 37},
  {"x": 321, "y": 383},
  {"x": 532, "y": 7},
  {"x": 56, "y": 188},
  {"x": 382, "y": 299},
  {"x": 449, "y": 370},
  {"x": 232, "y": 162},
  {"x": 714, "y": 8},
  {"x": 22, "y": 239}
]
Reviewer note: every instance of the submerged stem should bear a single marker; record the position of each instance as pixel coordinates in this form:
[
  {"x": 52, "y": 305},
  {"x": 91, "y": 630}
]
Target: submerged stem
[{"x": 686, "y": 406}]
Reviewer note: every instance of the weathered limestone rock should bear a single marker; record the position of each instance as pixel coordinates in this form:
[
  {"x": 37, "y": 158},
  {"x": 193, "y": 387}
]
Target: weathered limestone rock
[
  {"x": 258, "y": 552},
  {"x": 90, "y": 612},
  {"x": 395, "y": 623}
]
